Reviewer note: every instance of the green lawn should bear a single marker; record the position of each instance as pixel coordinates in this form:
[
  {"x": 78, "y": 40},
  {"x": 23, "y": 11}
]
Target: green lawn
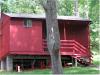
[
  {"x": 96, "y": 59},
  {"x": 71, "y": 70},
  {"x": 67, "y": 70}
]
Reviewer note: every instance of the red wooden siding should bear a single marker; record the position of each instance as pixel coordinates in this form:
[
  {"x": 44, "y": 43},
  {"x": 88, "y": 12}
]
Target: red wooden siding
[
  {"x": 79, "y": 33},
  {"x": 75, "y": 31},
  {"x": 74, "y": 37},
  {"x": 5, "y": 36},
  {"x": 0, "y": 36},
  {"x": 25, "y": 40},
  {"x": 17, "y": 39}
]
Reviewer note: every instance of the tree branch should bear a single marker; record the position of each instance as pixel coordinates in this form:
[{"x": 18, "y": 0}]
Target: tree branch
[{"x": 43, "y": 3}]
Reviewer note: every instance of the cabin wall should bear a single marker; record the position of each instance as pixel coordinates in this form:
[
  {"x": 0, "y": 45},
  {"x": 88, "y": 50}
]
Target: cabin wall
[
  {"x": 79, "y": 33},
  {"x": 4, "y": 35},
  {"x": 25, "y": 40},
  {"x": 0, "y": 35},
  {"x": 88, "y": 37},
  {"x": 44, "y": 34}
]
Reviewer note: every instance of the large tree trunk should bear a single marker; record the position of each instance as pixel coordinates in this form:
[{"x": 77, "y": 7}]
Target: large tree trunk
[{"x": 53, "y": 38}]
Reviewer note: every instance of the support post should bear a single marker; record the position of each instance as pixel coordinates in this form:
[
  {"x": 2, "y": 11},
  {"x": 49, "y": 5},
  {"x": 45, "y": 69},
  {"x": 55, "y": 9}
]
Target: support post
[
  {"x": 46, "y": 63},
  {"x": 64, "y": 32},
  {"x": 49, "y": 63},
  {"x": 33, "y": 63},
  {"x": 64, "y": 64},
  {"x": 72, "y": 61},
  {"x": 75, "y": 62},
  {"x": 2, "y": 65},
  {"x": 9, "y": 63}
]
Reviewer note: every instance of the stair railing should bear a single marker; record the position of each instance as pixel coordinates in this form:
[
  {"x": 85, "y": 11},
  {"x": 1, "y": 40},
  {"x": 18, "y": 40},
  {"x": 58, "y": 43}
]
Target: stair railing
[{"x": 71, "y": 44}]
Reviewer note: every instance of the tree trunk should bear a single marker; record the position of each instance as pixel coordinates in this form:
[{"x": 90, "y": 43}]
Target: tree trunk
[
  {"x": 53, "y": 38},
  {"x": 86, "y": 9},
  {"x": 76, "y": 13}
]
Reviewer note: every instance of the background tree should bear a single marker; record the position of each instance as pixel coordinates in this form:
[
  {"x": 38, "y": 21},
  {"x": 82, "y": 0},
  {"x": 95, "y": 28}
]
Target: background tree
[
  {"x": 76, "y": 12},
  {"x": 21, "y": 6},
  {"x": 94, "y": 16},
  {"x": 4, "y": 6},
  {"x": 65, "y": 7}
]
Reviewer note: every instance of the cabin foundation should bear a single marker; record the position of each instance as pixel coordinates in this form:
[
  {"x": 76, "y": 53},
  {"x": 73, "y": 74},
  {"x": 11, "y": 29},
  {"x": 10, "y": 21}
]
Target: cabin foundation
[
  {"x": 76, "y": 63},
  {"x": 36, "y": 62},
  {"x": 9, "y": 63},
  {"x": 3, "y": 65}
]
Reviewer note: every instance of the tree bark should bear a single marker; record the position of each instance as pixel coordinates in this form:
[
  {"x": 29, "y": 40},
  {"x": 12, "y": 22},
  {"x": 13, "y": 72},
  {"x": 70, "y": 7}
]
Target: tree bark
[
  {"x": 53, "y": 38},
  {"x": 86, "y": 9},
  {"x": 76, "y": 12}
]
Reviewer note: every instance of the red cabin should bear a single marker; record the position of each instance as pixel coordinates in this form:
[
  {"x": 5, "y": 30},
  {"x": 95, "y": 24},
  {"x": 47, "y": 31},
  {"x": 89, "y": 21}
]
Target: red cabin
[{"x": 23, "y": 41}]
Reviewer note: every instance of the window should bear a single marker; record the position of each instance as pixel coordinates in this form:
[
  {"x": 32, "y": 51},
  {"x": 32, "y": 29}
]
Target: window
[{"x": 27, "y": 22}]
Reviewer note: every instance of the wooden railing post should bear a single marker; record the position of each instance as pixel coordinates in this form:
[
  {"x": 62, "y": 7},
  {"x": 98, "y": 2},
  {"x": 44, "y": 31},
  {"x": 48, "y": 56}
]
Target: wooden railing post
[{"x": 76, "y": 62}]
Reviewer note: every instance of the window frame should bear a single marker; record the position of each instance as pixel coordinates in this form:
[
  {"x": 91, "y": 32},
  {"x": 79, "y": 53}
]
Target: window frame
[{"x": 27, "y": 22}]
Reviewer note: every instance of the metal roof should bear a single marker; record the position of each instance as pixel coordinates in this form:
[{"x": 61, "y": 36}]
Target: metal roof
[{"x": 42, "y": 16}]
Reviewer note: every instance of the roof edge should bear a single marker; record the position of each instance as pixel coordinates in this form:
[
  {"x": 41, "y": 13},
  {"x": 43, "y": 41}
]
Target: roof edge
[{"x": 42, "y": 16}]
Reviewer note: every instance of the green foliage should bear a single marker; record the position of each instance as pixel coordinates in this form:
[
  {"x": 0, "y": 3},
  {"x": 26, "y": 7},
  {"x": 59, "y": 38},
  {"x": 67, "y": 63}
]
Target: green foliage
[
  {"x": 4, "y": 6},
  {"x": 65, "y": 7},
  {"x": 21, "y": 6},
  {"x": 94, "y": 16}
]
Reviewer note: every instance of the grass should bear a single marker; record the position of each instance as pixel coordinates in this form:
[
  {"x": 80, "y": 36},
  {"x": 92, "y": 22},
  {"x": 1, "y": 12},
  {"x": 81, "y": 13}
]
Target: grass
[
  {"x": 96, "y": 59},
  {"x": 71, "y": 70},
  {"x": 67, "y": 70}
]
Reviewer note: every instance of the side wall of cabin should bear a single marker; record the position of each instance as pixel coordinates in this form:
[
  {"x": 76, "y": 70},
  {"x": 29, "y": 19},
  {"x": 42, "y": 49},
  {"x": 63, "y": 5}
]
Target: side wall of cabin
[
  {"x": 0, "y": 34},
  {"x": 4, "y": 35},
  {"x": 79, "y": 32},
  {"x": 25, "y": 40}
]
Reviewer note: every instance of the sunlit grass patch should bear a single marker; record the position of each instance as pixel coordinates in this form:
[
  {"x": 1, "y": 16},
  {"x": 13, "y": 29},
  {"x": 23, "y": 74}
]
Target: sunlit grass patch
[{"x": 81, "y": 70}]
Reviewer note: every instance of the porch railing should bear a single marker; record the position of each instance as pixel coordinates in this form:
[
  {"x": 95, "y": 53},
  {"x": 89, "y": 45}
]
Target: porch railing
[
  {"x": 73, "y": 48},
  {"x": 70, "y": 46}
]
